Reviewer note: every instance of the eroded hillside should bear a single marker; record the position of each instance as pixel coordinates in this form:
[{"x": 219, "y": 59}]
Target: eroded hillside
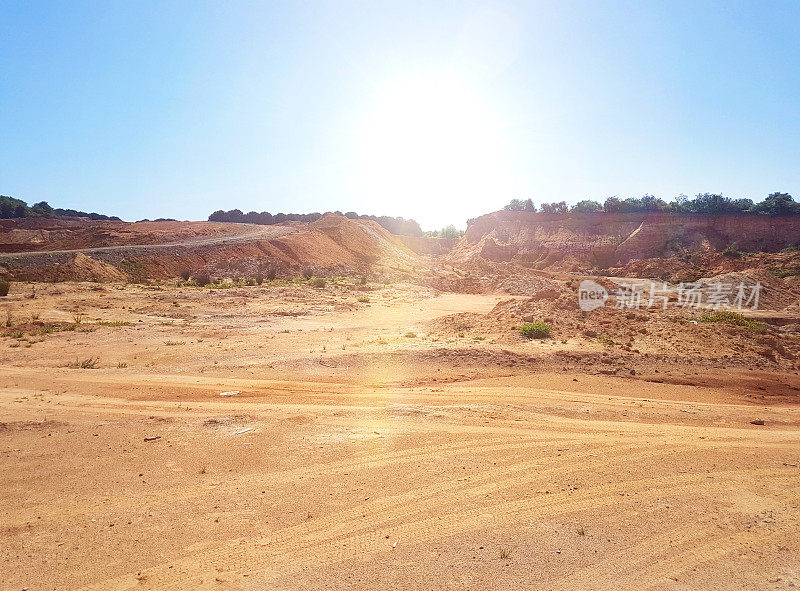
[
  {"x": 601, "y": 241},
  {"x": 111, "y": 251}
]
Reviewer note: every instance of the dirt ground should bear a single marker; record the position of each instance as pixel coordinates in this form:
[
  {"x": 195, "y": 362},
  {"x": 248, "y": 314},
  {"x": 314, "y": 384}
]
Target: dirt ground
[{"x": 384, "y": 436}]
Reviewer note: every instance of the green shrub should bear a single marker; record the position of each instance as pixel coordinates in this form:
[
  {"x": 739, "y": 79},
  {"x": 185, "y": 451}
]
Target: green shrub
[
  {"x": 535, "y": 330},
  {"x": 4, "y": 287},
  {"x": 318, "y": 282}
]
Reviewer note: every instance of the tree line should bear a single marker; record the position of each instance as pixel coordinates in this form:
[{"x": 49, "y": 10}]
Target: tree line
[
  {"x": 11, "y": 207},
  {"x": 776, "y": 204},
  {"x": 449, "y": 232},
  {"x": 395, "y": 225}
]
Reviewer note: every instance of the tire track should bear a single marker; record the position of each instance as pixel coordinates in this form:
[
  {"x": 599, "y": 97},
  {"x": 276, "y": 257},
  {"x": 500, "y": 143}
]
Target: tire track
[
  {"x": 286, "y": 546},
  {"x": 242, "y": 554}
]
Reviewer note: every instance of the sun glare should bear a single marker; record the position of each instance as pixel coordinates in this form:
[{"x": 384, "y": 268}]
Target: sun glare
[{"x": 430, "y": 142}]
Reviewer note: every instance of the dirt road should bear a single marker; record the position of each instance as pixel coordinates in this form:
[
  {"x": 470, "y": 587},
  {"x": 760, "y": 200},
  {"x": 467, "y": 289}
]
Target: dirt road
[
  {"x": 356, "y": 455},
  {"x": 248, "y": 233}
]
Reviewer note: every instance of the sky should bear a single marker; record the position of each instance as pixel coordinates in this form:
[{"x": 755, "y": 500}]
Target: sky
[{"x": 437, "y": 111}]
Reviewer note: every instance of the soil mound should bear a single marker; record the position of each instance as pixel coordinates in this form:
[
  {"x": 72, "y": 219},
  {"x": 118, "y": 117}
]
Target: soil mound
[
  {"x": 331, "y": 245},
  {"x": 85, "y": 268},
  {"x": 774, "y": 293}
]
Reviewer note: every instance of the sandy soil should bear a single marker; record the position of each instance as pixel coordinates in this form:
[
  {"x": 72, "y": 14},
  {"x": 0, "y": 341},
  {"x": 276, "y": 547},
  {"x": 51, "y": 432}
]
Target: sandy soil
[{"x": 378, "y": 444}]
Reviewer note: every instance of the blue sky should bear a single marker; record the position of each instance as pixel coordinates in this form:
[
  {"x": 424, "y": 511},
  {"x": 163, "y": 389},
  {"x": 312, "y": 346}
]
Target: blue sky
[{"x": 438, "y": 111}]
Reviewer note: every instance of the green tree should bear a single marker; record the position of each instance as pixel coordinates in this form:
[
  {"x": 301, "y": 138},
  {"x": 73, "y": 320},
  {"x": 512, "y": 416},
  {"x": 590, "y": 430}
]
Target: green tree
[
  {"x": 12, "y": 208},
  {"x": 451, "y": 232},
  {"x": 555, "y": 207},
  {"x": 612, "y": 205},
  {"x": 42, "y": 208},
  {"x": 587, "y": 206},
  {"x": 778, "y": 204}
]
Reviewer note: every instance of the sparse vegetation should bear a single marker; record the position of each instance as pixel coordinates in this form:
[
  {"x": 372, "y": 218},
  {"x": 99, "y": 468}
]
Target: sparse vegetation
[
  {"x": 535, "y": 330},
  {"x": 48, "y": 328},
  {"x": 186, "y": 274},
  {"x": 90, "y": 363},
  {"x": 410, "y": 335},
  {"x": 784, "y": 272},
  {"x": 732, "y": 252},
  {"x": 318, "y": 282},
  {"x": 364, "y": 300},
  {"x": 5, "y": 286},
  {"x": 733, "y": 318},
  {"x": 505, "y": 553},
  {"x": 133, "y": 268},
  {"x": 114, "y": 323},
  {"x": 202, "y": 278}
]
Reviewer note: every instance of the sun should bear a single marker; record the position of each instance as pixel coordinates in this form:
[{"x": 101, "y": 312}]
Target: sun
[{"x": 431, "y": 142}]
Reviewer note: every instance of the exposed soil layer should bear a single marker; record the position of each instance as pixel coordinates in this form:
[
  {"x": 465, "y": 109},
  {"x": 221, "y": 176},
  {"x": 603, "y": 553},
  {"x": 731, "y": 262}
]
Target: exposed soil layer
[{"x": 586, "y": 241}]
